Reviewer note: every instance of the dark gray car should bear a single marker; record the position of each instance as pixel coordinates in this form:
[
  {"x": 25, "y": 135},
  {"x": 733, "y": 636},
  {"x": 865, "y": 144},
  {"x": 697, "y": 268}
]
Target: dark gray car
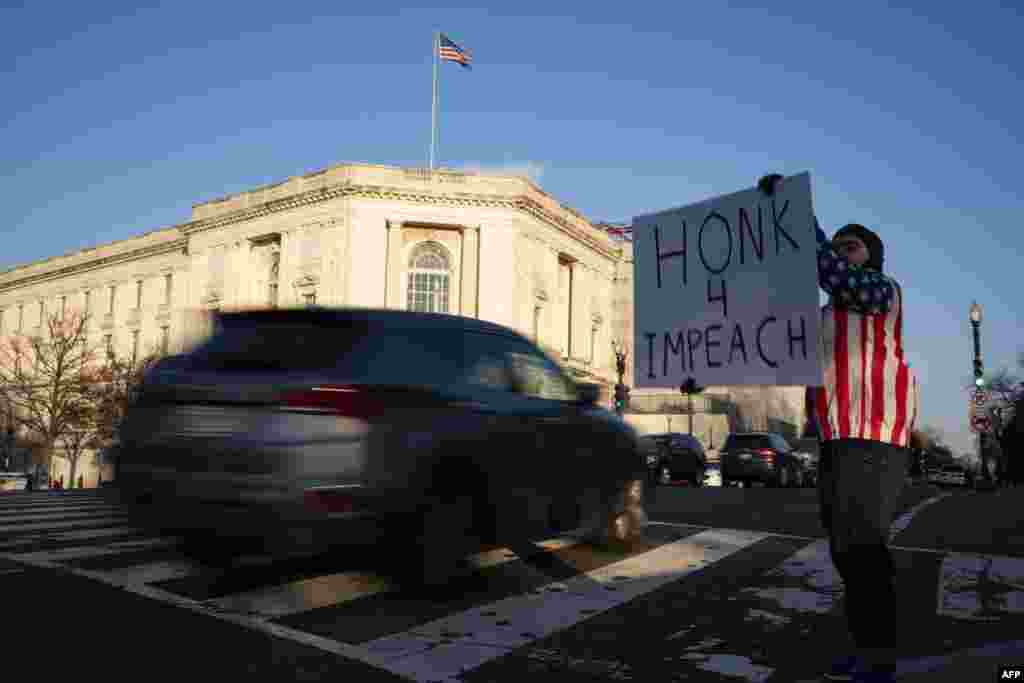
[
  {"x": 761, "y": 457},
  {"x": 301, "y": 429}
]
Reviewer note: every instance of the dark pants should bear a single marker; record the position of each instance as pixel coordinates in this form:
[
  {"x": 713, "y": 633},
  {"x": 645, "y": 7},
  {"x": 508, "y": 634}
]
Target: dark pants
[{"x": 859, "y": 483}]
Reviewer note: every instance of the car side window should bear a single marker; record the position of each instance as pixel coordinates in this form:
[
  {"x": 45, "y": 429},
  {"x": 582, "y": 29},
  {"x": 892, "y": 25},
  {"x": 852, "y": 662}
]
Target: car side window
[
  {"x": 780, "y": 443},
  {"x": 536, "y": 376},
  {"x": 486, "y": 366}
]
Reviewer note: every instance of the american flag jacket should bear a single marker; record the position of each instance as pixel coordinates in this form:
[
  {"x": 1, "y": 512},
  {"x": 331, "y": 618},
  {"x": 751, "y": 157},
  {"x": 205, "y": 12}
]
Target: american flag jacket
[{"x": 869, "y": 390}]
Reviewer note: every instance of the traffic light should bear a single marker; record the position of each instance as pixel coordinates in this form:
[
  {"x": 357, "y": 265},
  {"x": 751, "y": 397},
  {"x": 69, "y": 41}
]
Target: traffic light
[
  {"x": 621, "y": 397},
  {"x": 979, "y": 372}
]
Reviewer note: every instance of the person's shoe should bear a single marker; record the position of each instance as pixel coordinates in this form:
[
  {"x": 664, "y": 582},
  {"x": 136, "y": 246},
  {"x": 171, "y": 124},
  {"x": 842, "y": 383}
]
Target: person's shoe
[{"x": 843, "y": 668}]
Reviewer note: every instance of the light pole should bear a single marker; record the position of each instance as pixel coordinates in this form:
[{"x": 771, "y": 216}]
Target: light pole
[
  {"x": 621, "y": 390},
  {"x": 979, "y": 370}
]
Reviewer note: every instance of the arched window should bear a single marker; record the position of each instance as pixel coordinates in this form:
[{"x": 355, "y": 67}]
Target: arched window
[{"x": 429, "y": 276}]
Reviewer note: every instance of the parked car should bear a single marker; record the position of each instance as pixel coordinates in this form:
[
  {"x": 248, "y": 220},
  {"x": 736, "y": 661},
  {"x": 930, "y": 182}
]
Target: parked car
[
  {"x": 761, "y": 457},
  {"x": 678, "y": 457},
  {"x": 297, "y": 430}
]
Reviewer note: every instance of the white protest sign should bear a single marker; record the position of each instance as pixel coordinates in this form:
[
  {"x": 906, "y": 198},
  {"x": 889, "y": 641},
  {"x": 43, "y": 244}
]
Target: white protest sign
[{"x": 726, "y": 291}]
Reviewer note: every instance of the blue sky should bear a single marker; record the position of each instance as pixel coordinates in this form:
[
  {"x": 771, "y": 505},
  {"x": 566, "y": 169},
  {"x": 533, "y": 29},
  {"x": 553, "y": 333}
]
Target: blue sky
[{"x": 115, "y": 119}]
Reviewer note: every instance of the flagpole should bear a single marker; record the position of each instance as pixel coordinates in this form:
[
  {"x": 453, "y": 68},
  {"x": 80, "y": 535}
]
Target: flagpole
[{"x": 433, "y": 109}]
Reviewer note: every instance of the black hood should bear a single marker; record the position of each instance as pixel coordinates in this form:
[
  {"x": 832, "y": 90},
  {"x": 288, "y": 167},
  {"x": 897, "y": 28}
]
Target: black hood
[{"x": 872, "y": 241}]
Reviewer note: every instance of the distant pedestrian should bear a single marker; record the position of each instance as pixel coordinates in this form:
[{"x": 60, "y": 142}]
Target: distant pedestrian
[{"x": 865, "y": 413}]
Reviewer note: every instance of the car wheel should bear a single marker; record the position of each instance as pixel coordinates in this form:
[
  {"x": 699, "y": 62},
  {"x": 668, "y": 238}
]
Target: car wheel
[
  {"x": 620, "y": 523},
  {"x": 664, "y": 475}
]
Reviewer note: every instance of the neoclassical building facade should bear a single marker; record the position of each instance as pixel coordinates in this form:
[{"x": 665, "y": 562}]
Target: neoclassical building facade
[{"x": 490, "y": 246}]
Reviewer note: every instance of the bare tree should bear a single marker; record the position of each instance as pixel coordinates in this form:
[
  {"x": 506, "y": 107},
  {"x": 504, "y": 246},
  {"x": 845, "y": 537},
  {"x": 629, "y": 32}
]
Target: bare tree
[
  {"x": 120, "y": 379},
  {"x": 48, "y": 378}
]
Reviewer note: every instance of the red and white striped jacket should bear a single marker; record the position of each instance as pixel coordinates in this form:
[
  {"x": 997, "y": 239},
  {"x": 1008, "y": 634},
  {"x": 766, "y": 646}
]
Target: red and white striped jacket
[{"x": 870, "y": 392}]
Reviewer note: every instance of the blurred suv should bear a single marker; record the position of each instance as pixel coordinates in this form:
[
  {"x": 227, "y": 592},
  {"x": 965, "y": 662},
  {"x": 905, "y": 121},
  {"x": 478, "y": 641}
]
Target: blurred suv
[
  {"x": 674, "y": 457},
  {"x": 299, "y": 430},
  {"x": 761, "y": 457}
]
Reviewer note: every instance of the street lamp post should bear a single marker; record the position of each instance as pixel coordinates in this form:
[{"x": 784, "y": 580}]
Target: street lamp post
[
  {"x": 621, "y": 390},
  {"x": 979, "y": 370}
]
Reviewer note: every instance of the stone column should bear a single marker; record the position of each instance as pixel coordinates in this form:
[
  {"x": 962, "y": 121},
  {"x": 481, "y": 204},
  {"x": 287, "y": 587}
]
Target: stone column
[
  {"x": 393, "y": 265},
  {"x": 469, "y": 306}
]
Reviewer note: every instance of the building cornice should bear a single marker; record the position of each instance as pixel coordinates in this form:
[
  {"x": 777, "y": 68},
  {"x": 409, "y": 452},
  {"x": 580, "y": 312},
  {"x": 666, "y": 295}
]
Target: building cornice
[
  {"x": 178, "y": 245},
  {"x": 523, "y": 203}
]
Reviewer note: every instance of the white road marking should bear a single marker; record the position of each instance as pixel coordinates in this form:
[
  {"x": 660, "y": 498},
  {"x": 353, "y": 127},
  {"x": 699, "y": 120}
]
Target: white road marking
[
  {"x": 906, "y": 518},
  {"x": 61, "y": 516},
  {"x": 89, "y": 534},
  {"x": 735, "y": 666},
  {"x": 99, "y": 519},
  {"x": 811, "y": 566},
  {"x": 82, "y": 552},
  {"x": 151, "y": 572},
  {"x": 444, "y": 648},
  {"x": 301, "y": 596},
  {"x": 981, "y": 588},
  {"x": 8, "y": 512}
]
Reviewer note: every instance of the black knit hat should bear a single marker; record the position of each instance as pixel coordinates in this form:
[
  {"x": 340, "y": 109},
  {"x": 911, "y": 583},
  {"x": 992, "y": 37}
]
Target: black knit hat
[{"x": 872, "y": 241}]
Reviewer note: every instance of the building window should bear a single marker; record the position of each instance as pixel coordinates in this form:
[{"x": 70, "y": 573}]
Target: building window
[
  {"x": 167, "y": 289},
  {"x": 165, "y": 339},
  {"x": 310, "y": 298},
  {"x": 536, "y": 324},
  {"x": 593, "y": 343},
  {"x": 135, "y": 347},
  {"x": 87, "y": 302},
  {"x": 108, "y": 345},
  {"x": 429, "y": 276},
  {"x": 21, "y": 317},
  {"x": 275, "y": 271},
  {"x": 42, "y": 312},
  {"x": 63, "y": 307},
  {"x": 110, "y": 310},
  {"x": 138, "y": 294}
]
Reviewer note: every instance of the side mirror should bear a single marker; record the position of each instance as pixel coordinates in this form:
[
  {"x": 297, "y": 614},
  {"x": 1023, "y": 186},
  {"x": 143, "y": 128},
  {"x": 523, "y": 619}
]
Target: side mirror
[{"x": 589, "y": 394}]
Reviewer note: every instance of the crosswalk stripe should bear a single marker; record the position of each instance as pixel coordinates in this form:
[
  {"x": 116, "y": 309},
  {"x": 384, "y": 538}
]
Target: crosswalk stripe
[
  {"x": 301, "y": 596},
  {"x": 84, "y": 552},
  {"x": 445, "y": 648},
  {"x": 101, "y": 532},
  {"x": 151, "y": 572},
  {"x": 58, "y": 515},
  {"x": 42, "y": 526}
]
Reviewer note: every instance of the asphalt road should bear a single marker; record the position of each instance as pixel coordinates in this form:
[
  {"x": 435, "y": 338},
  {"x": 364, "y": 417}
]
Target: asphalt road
[{"x": 729, "y": 585}]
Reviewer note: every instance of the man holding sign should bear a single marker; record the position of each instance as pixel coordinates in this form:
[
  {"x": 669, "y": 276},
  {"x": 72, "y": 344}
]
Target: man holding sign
[{"x": 864, "y": 414}]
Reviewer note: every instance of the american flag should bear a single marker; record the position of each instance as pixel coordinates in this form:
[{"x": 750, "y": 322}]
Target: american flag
[{"x": 449, "y": 51}]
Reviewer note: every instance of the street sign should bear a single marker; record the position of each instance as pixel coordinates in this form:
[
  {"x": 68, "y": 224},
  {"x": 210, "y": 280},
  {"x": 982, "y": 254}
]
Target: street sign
[{"x": 981, "y": 423}]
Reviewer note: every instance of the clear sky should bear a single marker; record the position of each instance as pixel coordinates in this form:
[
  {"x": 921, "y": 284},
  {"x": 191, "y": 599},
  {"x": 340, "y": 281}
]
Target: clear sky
[{"x": 114, "y": 120}]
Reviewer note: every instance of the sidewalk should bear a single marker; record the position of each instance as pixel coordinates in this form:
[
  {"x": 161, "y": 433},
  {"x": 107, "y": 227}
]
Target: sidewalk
[{"x": 976, "y": 664}]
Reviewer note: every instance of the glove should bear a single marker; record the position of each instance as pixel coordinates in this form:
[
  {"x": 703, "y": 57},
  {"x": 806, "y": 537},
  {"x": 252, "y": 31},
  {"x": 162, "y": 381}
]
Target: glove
[{"x": 769, "y": 184}]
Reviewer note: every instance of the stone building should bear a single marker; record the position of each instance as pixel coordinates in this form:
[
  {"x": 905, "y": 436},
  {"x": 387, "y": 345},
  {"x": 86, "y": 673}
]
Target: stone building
[{"x": 489, "y": 246}]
